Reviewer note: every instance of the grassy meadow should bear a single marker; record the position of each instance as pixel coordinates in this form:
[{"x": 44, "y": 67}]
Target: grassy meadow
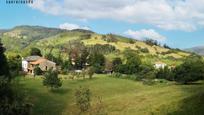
[{"x": 119, "y": 97}]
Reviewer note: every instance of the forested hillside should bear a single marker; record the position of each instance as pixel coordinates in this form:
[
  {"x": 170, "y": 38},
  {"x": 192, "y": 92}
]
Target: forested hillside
[{"x": 21, "y": 39}]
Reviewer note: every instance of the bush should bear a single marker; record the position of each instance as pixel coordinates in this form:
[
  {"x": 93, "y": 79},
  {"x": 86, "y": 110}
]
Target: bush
[
  {"x": 37, "y": 71},
  {"x": 144, "y": 50},
  {"x": 133, "y": 77},
  {"x": 99, "y": 108},
  {"x": 51, "y": 80},
  {"x": 83, "y": 99},
  {"x": 90, "y": 72}
]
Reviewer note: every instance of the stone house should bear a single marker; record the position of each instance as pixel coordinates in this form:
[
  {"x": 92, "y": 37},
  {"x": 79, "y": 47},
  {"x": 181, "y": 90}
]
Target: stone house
[{"x": 29, "y": 63}]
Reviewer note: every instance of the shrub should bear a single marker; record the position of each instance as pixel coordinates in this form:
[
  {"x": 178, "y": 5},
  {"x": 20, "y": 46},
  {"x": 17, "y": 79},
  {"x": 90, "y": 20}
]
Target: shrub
[
  {"x": 99, "y": 108},
  {"x": 83, "y": 99},
  {"x": 90, "y": 72},
  {"x": 144, "y": 50},
  {"x": 133, "y": 77},
  {"x": 51, "y": 79},
  {"x": 37, "y": 71}
]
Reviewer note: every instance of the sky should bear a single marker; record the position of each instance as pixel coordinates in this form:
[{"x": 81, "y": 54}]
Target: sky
[{"x": 178, "y": 23}]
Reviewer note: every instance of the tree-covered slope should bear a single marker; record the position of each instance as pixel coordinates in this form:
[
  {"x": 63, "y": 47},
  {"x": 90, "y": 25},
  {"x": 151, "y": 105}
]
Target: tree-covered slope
[{"x": 22, "y": 38}]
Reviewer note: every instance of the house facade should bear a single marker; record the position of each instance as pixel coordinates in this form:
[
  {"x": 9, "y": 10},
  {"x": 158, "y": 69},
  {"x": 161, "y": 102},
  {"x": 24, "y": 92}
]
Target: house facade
[
  {"x": 29, "y": 63},
  {"x": 159, "y": 65}
]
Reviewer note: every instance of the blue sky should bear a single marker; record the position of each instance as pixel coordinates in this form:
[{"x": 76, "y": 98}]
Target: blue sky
[{"x": 174, "y": 22}]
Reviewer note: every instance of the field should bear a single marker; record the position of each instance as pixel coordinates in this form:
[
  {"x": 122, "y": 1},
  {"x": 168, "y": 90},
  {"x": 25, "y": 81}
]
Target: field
[{"x": 119, "y": 96}]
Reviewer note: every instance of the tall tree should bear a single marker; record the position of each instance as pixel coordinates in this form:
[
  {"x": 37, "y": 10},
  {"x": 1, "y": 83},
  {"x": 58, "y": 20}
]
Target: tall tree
[
  {"x": 133, "y": 64},
  {"x": 78, "y": 54},
  {"x": 97, "y": 60},
  {"x": 4, "y": 68}
]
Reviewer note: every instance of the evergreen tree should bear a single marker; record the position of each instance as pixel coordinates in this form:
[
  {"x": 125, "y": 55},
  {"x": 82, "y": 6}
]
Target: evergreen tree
[{"x": 4, "y": 68}]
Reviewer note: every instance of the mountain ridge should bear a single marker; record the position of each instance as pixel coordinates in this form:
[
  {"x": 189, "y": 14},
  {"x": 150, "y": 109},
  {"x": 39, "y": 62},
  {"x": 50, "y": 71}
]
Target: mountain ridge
[{"x": 198, "y": 50}]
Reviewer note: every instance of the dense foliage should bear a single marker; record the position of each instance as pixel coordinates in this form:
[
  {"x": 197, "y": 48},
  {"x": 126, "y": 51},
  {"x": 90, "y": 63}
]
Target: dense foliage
[
  {"x": 78, "y": 54},
  {"x": 165, "y": 73},
  {"x": 11, "y": 101},
  {"x": 104, "y": 49},
  {"x": 97, "y": 61},
  {"x": 35, "y": 52},
  {"x": 152, "y": 42},
  {"x": 191, "y": 70},
  {"x": 4, "y": 68},
  {"x": 52, "y": 80}
]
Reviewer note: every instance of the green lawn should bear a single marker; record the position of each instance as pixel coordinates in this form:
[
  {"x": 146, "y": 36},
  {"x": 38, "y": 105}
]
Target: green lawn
[{"x": 120, "y": 97}]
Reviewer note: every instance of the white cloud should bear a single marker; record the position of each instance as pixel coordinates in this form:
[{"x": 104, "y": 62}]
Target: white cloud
[
  {"x": 186, "y": 15},
  {"x": 145, "y": 34},
  {"x": 69, "y": 26}
]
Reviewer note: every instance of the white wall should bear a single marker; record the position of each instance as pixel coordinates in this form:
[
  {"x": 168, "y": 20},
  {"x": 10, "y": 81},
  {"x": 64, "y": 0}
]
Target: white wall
[
  {"x": 158, "y": 66},
  {"x": 25, "y": 65}
]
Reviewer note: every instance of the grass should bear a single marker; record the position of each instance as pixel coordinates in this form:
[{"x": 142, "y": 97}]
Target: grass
[{"x": 120, "y": 97}]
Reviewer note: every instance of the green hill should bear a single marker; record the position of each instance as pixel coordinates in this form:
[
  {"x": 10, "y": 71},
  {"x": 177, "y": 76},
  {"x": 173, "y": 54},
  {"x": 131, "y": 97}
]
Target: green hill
[{"x": 22, "y": 38}]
